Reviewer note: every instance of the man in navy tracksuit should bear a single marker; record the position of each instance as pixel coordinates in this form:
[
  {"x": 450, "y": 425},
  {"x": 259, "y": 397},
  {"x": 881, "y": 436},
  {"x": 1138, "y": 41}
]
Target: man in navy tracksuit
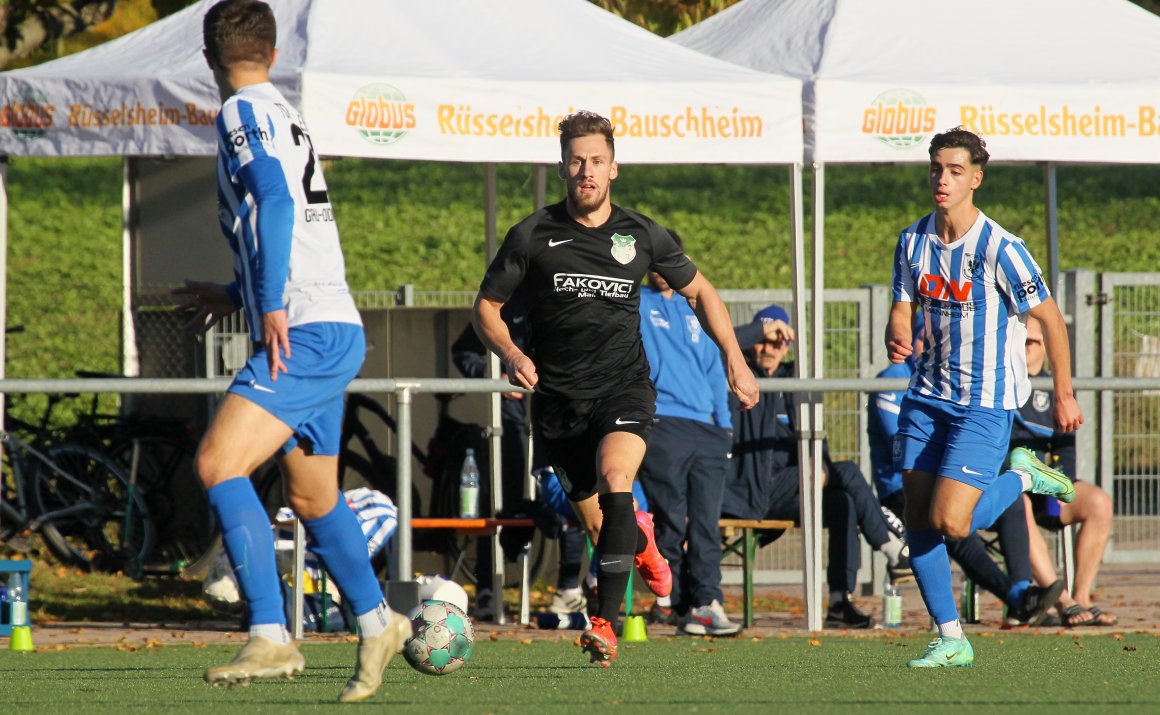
[
  {"x": 683, "y": 472},
  {"x": 763, "y": 482}
]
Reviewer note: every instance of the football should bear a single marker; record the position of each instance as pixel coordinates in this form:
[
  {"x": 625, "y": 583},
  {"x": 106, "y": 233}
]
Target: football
[{"x": 443, "y": 638}]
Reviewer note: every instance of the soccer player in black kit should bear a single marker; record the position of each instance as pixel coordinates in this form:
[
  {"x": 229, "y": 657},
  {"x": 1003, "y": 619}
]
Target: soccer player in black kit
[{"x": 580, "y": 263}]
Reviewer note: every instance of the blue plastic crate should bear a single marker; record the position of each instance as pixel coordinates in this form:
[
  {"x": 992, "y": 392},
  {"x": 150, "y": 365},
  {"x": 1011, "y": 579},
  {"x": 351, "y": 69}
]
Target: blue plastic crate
[{"x": 22, "y": 569}]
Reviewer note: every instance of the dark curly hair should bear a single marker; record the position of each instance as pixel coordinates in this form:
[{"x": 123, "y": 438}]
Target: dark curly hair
[{"x": 961, "y": 138}]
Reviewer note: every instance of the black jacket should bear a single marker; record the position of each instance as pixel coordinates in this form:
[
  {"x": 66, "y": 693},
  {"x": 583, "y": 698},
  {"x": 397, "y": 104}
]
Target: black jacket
[{"x": 765, "y": 445}]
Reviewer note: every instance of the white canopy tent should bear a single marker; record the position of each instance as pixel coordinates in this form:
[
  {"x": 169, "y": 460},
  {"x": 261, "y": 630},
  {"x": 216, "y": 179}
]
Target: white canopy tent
[
  {"x": 453, "y": 80},
  {"x": 1042, "y": 80}
]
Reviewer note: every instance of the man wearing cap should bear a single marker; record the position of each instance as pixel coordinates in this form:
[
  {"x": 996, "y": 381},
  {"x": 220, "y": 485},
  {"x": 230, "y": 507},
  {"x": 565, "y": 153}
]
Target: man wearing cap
[
  {"x": 763, "y": 482},
  {"x": 1027, "y": 604}
]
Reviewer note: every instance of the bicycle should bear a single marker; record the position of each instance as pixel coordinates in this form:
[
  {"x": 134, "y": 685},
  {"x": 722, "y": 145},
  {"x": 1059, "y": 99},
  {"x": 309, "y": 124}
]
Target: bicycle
[
  {"x": 157, "y": 452},
  {"x": 82, "y": 504}
]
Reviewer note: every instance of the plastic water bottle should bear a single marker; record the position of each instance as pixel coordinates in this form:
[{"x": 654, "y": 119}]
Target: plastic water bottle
[
  {"x": 891, "y": 604},
  {"x": 3, "y": 603},
  {"x": 17, "y": 602},
  {"x": 575, "y": 621},
  {"x": 469, "y": 487}
]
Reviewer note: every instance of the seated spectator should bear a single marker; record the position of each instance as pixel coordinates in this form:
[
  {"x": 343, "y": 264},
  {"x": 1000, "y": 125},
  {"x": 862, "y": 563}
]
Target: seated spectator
[
  {"x": 1034, "y": 429},
  {"x": 1027, "y": 604},
  {"x": 763, "y": 479},
  {"x": 470, "y": 358}
]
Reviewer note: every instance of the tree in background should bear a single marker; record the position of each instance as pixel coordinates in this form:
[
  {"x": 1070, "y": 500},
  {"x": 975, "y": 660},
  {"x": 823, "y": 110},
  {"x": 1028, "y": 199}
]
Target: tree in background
[
  {"x": 30, "y": 25},
  {"x": 36, "y": 31},
  {"x": 664, "y": 17}
]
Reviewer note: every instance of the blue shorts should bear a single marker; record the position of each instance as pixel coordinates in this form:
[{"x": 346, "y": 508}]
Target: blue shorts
[
  {"x": 961, "y": 442},
  {"x": 308, "y": 398}
]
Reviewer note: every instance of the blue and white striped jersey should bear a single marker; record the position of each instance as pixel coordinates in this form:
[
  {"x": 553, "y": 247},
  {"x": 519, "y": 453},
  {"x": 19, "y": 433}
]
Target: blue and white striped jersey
[
  {"x": 276, "y": 215},
  {"x": 973, "y": 291}
]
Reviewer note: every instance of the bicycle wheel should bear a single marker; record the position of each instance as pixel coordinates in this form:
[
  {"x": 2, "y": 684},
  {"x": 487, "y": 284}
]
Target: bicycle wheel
[
  {"x": 107, "y": 527},
  {"x": 178, "y": 504}
]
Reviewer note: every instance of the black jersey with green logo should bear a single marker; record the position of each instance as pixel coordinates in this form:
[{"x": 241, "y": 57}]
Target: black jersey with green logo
[{"x": 582, "y": 291}]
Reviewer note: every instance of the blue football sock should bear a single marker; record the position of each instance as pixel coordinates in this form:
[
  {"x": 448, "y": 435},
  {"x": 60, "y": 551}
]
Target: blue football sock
[
  {"x": 249, "y": 542},
  {"x": 995, "y": 500},
  {"x": 341, "y": 545},
  {"x": 932, "y": 571}
]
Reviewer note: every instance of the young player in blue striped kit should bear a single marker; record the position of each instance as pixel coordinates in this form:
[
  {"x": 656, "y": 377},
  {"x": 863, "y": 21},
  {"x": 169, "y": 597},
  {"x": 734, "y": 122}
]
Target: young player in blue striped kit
[
  {"x": 973, "y": 280},
  {"x": 288, "y": 399}
]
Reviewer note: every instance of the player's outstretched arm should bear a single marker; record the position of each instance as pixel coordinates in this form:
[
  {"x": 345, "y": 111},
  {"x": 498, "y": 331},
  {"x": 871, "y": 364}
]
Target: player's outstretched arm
[
  {"x": 714, "y": 318},
  {"x": 1068, "y": 415},
  {"x": 205, "y": 304},
  {"x": 494, "y": 333},
  {"x": 898, "y": 332}
]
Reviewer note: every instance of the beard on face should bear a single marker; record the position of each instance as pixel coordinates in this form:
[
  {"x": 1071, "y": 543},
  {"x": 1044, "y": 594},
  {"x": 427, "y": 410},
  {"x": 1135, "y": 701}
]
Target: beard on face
[{"x": 586, "y": 202}]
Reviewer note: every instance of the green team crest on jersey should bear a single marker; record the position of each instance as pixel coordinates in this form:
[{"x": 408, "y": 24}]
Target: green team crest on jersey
[{"x": 623, "y": 248}]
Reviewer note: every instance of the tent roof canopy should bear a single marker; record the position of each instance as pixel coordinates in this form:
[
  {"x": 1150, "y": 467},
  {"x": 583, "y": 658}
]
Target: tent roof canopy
[
  {"x": 1066, "y": 80},
  {"x": 461, "y": 80}
]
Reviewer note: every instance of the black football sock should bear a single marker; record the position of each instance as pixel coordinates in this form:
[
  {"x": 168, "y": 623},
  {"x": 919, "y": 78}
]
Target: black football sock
[{"x": 618, "y": 535}]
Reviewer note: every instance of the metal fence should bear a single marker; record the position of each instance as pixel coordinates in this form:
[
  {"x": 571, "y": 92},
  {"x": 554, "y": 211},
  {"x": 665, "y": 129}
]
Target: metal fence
[
  {"x": 1129, "y": 306},
  {"x": 1119, "y": 447}
]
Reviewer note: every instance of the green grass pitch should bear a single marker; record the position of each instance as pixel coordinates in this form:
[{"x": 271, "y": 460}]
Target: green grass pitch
[{"x": 1012, "y": 673}]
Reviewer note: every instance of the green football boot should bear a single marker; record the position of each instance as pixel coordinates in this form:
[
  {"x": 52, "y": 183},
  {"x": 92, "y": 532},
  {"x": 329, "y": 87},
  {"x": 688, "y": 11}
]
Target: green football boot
[
  {"x": 1044, "y": 479},
  {"x": 945, "y": 653}
]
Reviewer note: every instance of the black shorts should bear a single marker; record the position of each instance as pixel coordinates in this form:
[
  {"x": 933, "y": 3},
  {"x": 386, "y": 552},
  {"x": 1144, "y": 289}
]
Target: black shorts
[{"x": 570, "y": 431}]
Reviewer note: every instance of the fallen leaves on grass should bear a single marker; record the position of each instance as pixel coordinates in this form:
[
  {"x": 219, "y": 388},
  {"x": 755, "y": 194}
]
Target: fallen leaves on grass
[
  {"x": 814, "y": 642},
  {"x": 1130, "y": 648},
  {"x": 527, "y": 641}
]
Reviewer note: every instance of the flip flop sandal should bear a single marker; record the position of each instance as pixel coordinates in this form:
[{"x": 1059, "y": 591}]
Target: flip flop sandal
[
  {"x": 1099, "y": 618},
  {"x": 1076, "y": 611}
]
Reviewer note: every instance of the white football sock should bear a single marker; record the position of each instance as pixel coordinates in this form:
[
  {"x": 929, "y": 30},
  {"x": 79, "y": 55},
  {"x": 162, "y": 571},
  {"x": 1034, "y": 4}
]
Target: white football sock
[
  {"x": 372, "y": 623},
  {"x": 272, "y": 632},
  {"x": 1025, "y": 477},
  {"x": 665, "y": 601},
  {"x": 951, "y": 629}
]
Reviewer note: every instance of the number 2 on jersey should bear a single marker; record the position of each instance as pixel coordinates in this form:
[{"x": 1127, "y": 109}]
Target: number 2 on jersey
[{"x": 312, "y": 196}]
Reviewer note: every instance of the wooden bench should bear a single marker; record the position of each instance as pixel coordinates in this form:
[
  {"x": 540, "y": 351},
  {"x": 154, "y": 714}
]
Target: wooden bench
[
  {"x": 739, "y": 537},
  {"x": 469, "y": 527},
  {"x": 487, "y": 527}
]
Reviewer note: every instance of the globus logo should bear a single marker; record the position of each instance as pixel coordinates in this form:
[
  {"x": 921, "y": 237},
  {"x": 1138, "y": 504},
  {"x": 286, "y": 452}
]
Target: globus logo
[
  {"x": 380, "y": 113},
  {"x": 28, "y": 115},
  {"x": 899, "y": 118}
]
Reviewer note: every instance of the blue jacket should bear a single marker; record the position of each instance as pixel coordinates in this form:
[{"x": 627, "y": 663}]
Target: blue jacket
[
  {"x": 684, "y": 362},
  {"x": 881, "y": 426},
  {"x": 1034, "y": 428}
]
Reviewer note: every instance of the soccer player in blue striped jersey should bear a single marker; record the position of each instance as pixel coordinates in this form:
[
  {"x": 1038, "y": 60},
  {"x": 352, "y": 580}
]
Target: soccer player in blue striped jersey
[
  {"x": 288, "y": 399},
  {"x": 974, "y": 281}
]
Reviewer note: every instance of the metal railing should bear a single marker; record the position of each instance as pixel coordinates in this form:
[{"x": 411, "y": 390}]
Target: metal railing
[{"x": 405, "y": 388}]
